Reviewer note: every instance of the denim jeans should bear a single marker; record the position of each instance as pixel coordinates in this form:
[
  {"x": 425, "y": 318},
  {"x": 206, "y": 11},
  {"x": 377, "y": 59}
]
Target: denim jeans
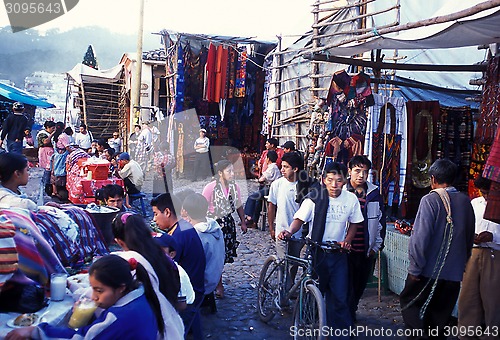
[
  {"x": 253, "y": 206},
  {"x": 14, "y": 147},
  {"x": 332, "y": 269}
]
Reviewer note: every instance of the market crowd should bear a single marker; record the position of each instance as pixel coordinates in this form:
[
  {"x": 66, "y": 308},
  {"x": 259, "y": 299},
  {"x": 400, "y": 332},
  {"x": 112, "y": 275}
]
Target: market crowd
[{"x": 154, "y": 283}]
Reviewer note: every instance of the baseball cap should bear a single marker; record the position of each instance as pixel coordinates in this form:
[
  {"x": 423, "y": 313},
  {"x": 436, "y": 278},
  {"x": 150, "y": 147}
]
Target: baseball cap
[
  {"x": 165, "y": 241},
  {"x": 124, "y": 156},
  {"x": 18, "y": 106},
  {"x": 289, "y": 145}
]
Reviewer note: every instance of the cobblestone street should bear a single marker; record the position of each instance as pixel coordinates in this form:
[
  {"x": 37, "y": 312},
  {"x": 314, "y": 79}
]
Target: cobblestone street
[{"x": 236, "y": 316}]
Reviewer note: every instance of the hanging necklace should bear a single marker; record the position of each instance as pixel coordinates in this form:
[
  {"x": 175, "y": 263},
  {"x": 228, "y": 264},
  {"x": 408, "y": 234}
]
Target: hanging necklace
[{"x": 420, "y": 168}]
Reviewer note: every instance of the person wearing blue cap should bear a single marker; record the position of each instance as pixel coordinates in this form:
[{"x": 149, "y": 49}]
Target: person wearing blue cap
[{"x": 131, "y": 173}]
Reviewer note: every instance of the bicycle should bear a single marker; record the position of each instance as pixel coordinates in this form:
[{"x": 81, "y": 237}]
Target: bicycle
[{"x": 309, "y": 313}]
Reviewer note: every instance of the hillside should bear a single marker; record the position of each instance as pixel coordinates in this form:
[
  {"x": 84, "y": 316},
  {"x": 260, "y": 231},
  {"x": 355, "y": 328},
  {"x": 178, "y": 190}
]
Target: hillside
[{"x": 24, "y": 52}]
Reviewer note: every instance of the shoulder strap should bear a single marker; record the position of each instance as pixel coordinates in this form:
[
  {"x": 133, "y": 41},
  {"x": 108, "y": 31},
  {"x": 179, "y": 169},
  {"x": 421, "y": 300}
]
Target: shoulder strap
[{"x": 445, "y": 198}]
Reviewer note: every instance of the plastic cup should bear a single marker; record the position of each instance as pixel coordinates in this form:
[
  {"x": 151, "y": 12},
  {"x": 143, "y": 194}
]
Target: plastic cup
[
  {"x": 82, "y": 313},
  {"x": 58, "y": 286}
]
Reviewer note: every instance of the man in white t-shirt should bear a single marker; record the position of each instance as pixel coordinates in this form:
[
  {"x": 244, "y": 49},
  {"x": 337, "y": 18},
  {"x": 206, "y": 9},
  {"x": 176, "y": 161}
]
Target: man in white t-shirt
[
  {"x": 334, "y": 215},
  {"x": 282, "y": 203},
  {"x": 84, "y": 138}
]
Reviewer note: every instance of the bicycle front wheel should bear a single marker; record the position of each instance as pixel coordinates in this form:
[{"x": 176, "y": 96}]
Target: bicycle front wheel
[
  {"x": 309, "y": 314},
  {"x": 268, "y": 295}
]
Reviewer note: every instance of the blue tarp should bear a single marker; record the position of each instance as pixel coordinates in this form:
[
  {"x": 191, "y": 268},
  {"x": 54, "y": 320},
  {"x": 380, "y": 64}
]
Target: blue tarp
[
  {"x": 446, "y": 97},
  {"x": 18, "y": 95}
]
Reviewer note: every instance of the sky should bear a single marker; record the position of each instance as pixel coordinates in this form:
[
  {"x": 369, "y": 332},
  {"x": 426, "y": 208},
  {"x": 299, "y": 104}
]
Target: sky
[{"x": 256, "y": 18}]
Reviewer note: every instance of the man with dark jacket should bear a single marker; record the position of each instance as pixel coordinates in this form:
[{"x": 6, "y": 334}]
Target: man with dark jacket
[
  {"x": 369, "y": 239},
  {"x": 440, "y": 245},
  {"x": 13, "y": 128},
  {"x": 190, "y": 254}
]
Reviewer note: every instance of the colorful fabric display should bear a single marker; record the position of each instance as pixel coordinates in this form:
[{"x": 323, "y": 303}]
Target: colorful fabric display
[
  {"x": 73, "y": 183},
  {"x": 455, "y": 140},
  {"x": 37, "y": 260},
  {"x": 423, "y": 117},
  {"x": 61, "y": 233},
  {"x": 90, "y": 236},
  {"x": 180, "y": 88},
  {"x": 385, "y": 139},
  {"x": 8, "y": 252},
  {"x": 211, "y": 73},
  {"x": 232, "y": 61},
  {"x": 241, "y": 71}
]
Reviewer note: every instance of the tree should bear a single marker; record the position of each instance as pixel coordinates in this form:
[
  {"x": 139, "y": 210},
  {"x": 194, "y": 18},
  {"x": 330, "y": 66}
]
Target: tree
[{"x": 89, "y": 58}]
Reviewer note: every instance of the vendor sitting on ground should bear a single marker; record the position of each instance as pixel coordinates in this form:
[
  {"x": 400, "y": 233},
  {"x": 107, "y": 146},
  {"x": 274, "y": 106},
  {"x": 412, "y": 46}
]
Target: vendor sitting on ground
[
  {"x": 131, "y": 173},
  {"x": 253, "y": 205}
]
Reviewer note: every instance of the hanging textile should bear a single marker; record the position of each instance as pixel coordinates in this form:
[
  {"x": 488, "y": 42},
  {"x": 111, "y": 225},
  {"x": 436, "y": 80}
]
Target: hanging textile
[
  {"x": 239, "y": 91},
  {"x": 485, "y": 132},
  {"x": 220, "y": 73},
  {"x": 170, "y": 82},
  {"x": 454, "y": 137},
  {"x": 189, "y": 61},
  {"x": 492, "y": 171},
  {"x": 179, "y": 96},
  {"x": 386, "y": 146},
  {"x": 422, "y": 146},
  {"x": 490, "y": 112},
  {"x": 210, "y": 70},
  {"x": 179, "y": 164},
  {"x": 232, "y": 61},
  {"x": 346, "y": 115}
]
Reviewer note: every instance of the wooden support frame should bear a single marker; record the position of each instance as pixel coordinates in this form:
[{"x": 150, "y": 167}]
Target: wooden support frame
[{"x": 392, "y": 66}]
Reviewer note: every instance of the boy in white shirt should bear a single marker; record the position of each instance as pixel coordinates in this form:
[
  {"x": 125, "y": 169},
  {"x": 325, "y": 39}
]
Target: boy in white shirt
[{"x": 334, "y": 215}]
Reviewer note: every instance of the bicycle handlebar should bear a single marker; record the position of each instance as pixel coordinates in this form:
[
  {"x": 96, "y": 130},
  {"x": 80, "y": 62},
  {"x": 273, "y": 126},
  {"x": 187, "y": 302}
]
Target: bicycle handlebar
[{"x": 330, "y": 245}]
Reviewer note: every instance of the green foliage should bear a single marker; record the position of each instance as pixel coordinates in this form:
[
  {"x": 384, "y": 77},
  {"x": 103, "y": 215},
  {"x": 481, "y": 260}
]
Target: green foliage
[{"x": 89, "y": 58}]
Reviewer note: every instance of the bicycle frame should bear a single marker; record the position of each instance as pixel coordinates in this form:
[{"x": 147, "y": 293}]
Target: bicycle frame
[{"x": 306, "y": 264}]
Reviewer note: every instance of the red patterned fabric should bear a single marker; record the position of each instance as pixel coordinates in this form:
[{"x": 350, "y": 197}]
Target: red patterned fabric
[{"x": 210, "y": 73}]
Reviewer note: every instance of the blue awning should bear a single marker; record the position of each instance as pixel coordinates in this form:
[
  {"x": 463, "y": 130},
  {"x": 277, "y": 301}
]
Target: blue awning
[{"x": 18, "y": 95}]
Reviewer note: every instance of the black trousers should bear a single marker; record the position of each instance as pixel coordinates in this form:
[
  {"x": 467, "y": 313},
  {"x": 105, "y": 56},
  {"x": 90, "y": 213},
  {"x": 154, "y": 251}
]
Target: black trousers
[
  {"x": 202, "y": 166},
  {"x": 360, "y": 270},
  {"x": 438, "y": 312},
  {"x": 130, "y": 187}
]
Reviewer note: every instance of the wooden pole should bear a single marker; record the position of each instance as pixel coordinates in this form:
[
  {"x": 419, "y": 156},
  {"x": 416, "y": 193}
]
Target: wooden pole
[
  {"x": 136, "y": 89},
  {"x": 427, "y": 22},
  {"x": 277, "y": 87},
  {"x": 315, "y": 44},
  {"x": 378, "y": 64},
  {"x": 66, "y": 101}
]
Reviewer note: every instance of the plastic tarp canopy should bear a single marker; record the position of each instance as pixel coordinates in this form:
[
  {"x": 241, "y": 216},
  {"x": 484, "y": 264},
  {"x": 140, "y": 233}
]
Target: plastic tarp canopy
[
  {"x": 18, "y": 95},
  {"x": 470, "y": 31},
  {"x": 83, "y": 72}
]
